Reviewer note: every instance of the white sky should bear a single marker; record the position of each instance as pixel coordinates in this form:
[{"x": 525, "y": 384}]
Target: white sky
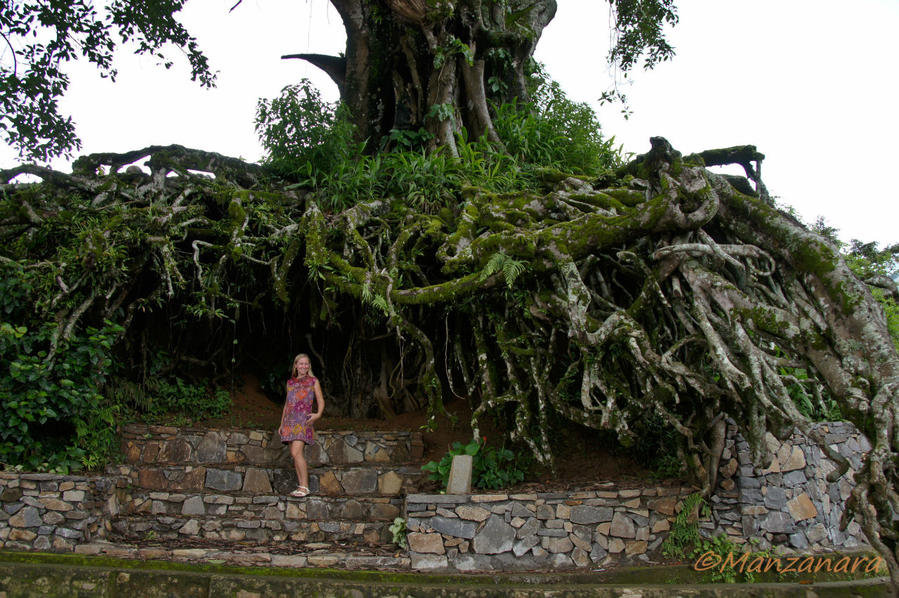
[{"x": 811, "y": 83}]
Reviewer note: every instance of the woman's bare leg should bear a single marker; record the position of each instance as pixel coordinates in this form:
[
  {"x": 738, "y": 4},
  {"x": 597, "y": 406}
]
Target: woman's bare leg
[{"x": 299, "y": 462}]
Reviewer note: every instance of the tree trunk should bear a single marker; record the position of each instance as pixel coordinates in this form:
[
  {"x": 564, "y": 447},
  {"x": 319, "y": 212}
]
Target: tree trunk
[{"x": 434, "y": 67}]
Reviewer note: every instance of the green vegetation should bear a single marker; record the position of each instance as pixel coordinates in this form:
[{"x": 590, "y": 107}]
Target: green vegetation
[
  {"x": 877, "y": 266},
  {"x": 685, "y": 541},
  {"x": 313, "y": 143},
  {"x": 492, "y": 468},
  {"x": 55, "y": 417},
  {"x": 398, "y": 531},
  {"x": 119, "y": 355}
]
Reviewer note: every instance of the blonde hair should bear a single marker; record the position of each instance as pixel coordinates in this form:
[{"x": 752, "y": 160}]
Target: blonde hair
[{"x": 293, "y": 368}]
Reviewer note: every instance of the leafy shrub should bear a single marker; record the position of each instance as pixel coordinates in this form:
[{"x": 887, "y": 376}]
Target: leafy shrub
[
  {"x": 162, "y": 397},
  {"x": 491, "y": 468},
  {"x": 311, "y": 141},
  {"x": 301, "y": 133},
  {"x": 868, "y": 260},
  {"x": 54, "y": 415}
]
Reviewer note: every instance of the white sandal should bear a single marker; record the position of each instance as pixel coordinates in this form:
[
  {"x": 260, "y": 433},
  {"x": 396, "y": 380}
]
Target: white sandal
[{"x": 300, "y": 492}]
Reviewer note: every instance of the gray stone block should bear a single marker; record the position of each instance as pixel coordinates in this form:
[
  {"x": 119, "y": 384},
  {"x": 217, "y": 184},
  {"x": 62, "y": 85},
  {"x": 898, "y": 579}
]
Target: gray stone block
[
  {"x": 223, "y": 480},
  {"x": 27, "y": 517},
  {"x": 360, "y": 481},
  {"x": 212, "y": 448},
  {"x": 586, "y": 515},
  {"x": 455, "y": 527},
  {"x": 798, "y": 540},
  {"x": 561, "y": 561},
  {"x": 69, "y": 533},
  {"x": 524, "y": 545},
  {"x": 530, "y": 528},
  {"x": 460, "y": 475},
  {"x": 428, "y": 562},
  {"x": 775, "y": 498},
  {"x": 557, "y": 545},
  {"x": 552, "y": 533},
  {"x": 794, "y": 478},
  {"x": 193, "y": 506},
  {"x": 471, "y": 562},
  {"x": 42, "y": 543},
  {"x": 598, "y": 553},
  {"x": 495, "y": 537},
  {"x": 778, "y": 523},
  {"x": 751, "y": 496},
  {"x": 750, "y": 482}
]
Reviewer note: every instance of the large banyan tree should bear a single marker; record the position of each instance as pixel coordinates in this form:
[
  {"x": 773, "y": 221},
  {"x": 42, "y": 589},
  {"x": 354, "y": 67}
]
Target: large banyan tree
[
  {"x": 659, "y": 289},
  {"x": 438, "y": 65}
]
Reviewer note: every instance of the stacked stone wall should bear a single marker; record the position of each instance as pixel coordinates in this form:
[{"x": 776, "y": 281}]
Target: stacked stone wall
[
  {"x": 230, "y": 487},
  {"x": 790, "y": 503},
  {"x": 485, "y": 532},
  {"x": 52, "y": 512},
  {"x": 149, "y": 445}
]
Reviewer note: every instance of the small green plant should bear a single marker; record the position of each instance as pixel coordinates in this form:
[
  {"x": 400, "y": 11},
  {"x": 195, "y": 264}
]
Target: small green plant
[
  {"x": 668, "y": 466},
  {"x": 491, "y": 468},
  {"x": 398, "y": 529},
  {"x": 684, "y": 540},
  {"x": 684, "y": 534}
]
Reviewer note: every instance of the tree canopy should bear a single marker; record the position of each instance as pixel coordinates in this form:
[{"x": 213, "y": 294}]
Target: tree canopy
[
  {"x": 409, "y": 65},
  {"x": 41, "y": 36}
]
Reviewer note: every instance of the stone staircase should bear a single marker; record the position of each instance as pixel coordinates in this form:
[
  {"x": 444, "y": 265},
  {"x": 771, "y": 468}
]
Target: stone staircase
[{"x": 230, "y": 488}]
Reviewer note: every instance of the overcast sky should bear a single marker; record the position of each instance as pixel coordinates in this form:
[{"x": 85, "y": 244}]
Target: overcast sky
[{"x": 811, "y": 83}]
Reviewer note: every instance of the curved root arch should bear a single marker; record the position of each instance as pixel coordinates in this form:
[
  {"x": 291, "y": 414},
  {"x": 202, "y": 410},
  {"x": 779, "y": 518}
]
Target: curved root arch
[
  {"x": 670, "y": 292},
  {"x": 676, "y": 295}
]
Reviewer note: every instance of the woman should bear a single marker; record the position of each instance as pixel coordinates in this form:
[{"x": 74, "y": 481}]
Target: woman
[{"x": 297, "y": 419}]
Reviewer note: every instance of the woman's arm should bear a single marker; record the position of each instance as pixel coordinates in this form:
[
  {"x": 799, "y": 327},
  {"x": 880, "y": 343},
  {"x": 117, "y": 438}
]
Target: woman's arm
[
  {"x": 284, "y": 409},
  {"x": 321, "y": 402}
]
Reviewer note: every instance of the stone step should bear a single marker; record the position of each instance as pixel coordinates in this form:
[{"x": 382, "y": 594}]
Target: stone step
[
  {"x": 268, "y": 531},
  {"x": 248, "y": 507},
  {"x": 154, "y": 445},
  {"x": 295, "y": 555},
  {"x": 346, "y": 480}
]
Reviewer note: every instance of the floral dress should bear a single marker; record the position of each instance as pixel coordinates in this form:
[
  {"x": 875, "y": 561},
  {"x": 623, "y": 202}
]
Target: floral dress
[{"x": 300, "y": 397}]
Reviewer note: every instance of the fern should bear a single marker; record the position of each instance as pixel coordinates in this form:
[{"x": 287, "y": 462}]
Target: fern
[
  {"x": 379, "y": 302},
  {"x": 510, "y": 268}
]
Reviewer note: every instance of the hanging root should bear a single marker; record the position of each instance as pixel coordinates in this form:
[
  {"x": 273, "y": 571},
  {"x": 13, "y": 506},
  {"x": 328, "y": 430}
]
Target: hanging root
[{"x": 671, "y": 293}]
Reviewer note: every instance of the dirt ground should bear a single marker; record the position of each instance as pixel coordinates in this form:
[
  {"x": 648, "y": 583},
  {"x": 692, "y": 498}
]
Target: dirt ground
[{"x": 582, "y": 462}]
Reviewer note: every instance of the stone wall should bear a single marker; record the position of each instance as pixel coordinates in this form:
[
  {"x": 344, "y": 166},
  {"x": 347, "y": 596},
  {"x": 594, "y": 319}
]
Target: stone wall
[
  {"x": 52, "y": 512},
  {"x": 389, "y": 480},
  {"x": 264, "y": 519},
  {"x": 485, "y": 532},
  {"x": 788, "y": 504},
  {"x": 150, "y": 445},
  {"x": 228, "y": 487}
]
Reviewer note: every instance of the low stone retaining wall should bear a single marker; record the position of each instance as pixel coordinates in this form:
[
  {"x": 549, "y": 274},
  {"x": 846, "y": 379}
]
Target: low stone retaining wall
[
  {"x": 265, "y": 519},
  {"x": 52, "y": 512},
  {"x": 340, "y": 481},
  {"x": 484, "y": 532},
  {"x": 145, "y": 444},
  {"x": 790, "y": 503}
]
